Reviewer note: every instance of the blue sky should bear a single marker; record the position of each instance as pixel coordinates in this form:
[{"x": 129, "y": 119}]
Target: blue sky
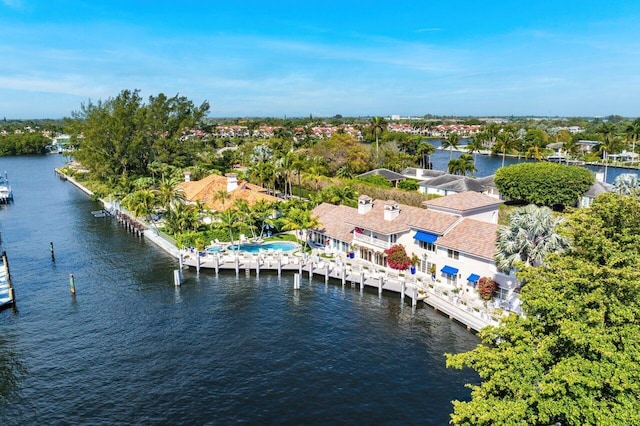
[{"x": 277, "y": 58}]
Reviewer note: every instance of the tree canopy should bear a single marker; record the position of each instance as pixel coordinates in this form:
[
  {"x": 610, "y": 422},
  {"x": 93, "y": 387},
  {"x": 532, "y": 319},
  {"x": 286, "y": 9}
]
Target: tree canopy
[
  {"x": 122, "y": 136},
  {"x": 543, "y": 183},
  {"x": 573, "y": 358}
]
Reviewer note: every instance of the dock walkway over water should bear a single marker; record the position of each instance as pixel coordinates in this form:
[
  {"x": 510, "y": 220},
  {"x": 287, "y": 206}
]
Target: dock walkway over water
[{"x": 458, "y": 304}]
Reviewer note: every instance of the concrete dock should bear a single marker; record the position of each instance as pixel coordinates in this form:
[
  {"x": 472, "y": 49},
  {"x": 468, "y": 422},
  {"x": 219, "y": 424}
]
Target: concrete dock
[{"x": 457, "y": 304}]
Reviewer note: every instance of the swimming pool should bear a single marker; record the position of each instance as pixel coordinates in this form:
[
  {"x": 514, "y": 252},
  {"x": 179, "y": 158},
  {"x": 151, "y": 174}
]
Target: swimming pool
[{"x": 283, "y": 246}]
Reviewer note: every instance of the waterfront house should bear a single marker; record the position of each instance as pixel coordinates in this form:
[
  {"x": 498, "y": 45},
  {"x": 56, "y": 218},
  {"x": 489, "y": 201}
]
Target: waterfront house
[
  {"x": 207, "y": 191},
  {"x": 454, "y": 238}
]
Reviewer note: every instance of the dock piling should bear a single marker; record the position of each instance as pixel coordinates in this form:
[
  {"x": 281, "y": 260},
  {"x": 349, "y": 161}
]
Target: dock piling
[
  {"x": 53, "y": 254},
  {"x": 177, "y": 277},
  {"x": 72, "y": 284}
]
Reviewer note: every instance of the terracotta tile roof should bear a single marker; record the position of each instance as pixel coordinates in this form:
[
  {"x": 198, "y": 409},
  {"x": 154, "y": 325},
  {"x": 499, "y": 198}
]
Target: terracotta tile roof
[
  {"x": 332, "y": 220},
  {"x": 471, "y": 236},
  {"x": 205, "y": 191},
  {"x": 463, "y": 201},
  {"x": 409, "y": 217}
]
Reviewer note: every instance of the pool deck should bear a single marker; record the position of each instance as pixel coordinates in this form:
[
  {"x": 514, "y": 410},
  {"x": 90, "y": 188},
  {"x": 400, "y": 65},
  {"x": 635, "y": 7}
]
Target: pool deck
[{"x": 459, "y": 305}]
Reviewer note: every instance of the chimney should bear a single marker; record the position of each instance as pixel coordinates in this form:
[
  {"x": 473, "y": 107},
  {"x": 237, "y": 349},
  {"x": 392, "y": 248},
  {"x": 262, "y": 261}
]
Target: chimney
[
  {"x": 232, "y": 181},
  {"x": 365, "y": 204},
  {"x": 391, "y": 210},
  {"x": 187, "y": 176}
]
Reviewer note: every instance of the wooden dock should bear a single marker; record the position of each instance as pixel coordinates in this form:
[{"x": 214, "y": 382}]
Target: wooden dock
[{"x": 358, "y": 273}]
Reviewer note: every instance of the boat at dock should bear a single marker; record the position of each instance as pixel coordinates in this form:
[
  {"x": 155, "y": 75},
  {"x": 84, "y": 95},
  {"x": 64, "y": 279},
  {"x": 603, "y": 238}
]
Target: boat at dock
[{"x": 6, "y": 194}]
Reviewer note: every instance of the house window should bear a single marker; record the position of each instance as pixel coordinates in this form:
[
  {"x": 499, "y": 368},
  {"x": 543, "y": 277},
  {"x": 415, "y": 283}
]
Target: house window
[
  {"x": 452, "y": 279},
  {"x": 394, "y": 238},
  {"x": 427, "y": 246},
  {"x": 452, "y": 254}
]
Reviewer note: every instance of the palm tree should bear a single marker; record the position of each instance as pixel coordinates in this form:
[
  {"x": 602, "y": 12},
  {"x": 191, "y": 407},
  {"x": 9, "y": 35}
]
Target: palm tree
[
  {"x": 627, "y": 184},
  {"x": 222, "y": 195},
  {"x": 424, "y": 150},
  {"x": 451, "y": 142},
  {"x": 168, "y": 193},
  {"x": 228, "y": 220},
  {"x": 377, "y": 126},
  {"x": 299, "y": 220},
  {"x": 633, "y": 134},
  {"x": 141, "y": 203},
  {"x": 476, "y": 145},
  {"x": 529, "y": 238},
  {"x": 505, "y": 141}
]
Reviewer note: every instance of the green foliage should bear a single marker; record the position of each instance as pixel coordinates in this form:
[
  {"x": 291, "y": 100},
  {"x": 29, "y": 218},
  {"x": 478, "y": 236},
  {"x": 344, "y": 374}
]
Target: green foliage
[
  {"x": 377, "y": 180},
  {"x": 543, "y": 183},
  {"x": 122, "y": 135},
  {"x": 408, "y": 184},
  {"x": 530, "y": 236},
  {"x": 23, "y": 144},
  {"x": 573, "y": 358}
]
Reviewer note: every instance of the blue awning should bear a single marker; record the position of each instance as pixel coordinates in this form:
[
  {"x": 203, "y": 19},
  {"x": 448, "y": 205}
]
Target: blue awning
[
  {"x": 425, "y": 237},
  {"x": 449, "y": 270},
  {"x": 473, "y": 278}
]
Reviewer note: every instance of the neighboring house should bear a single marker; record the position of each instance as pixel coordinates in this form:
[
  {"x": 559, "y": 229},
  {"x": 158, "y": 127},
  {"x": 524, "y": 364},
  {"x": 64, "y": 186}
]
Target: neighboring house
[
  {"x": 490, "y": 187},
  {"x": 421, "y": 174},
  {"x": 449, "y": 184},
  {"x": 207, "y": 191},
  {"x": 624, "y": 157},
  {"x": 389, "y": 175},
  {"x": 469, "y": 204},
  {"x": 455, "y": 239},
  {"x": 595, "y": 190}
]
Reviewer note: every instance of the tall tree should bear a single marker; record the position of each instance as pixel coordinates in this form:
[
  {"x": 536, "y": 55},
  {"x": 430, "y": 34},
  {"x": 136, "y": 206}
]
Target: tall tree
[
  {"x": 632, "y": 133},
  {"x": 378, "y": 125},
  {"x": 573, "y": 357}
]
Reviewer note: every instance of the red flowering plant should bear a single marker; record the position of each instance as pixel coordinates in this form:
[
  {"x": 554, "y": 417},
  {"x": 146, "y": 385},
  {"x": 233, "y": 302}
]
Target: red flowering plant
[
  {"x": 397, "y": 257},
  {"x": 487, "y": 287}
]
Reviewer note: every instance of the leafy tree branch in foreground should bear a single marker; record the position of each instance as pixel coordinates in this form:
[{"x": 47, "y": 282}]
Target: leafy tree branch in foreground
[{"x": 573, "y": 358}]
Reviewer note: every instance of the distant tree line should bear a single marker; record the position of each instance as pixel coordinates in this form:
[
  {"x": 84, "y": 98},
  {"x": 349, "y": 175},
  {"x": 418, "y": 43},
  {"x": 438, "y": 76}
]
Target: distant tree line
[{"x": 23, "y": 144}]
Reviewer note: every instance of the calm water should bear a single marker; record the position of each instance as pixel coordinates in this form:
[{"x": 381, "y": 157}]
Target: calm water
[
  {"x": 132, "y": 348},
  {"x": 488, "y": 164}
]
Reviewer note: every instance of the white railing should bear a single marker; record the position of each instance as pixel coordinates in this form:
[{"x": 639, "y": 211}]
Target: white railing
[{"x": 371, "y": 241}]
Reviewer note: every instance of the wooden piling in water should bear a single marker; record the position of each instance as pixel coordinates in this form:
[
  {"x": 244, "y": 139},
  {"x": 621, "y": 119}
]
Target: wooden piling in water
[{"x": 72, "y": 284}]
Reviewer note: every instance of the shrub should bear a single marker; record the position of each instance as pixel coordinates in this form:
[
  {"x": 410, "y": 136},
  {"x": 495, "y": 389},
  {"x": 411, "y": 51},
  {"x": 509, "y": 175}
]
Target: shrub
[
  {"x": 487, "y": 288},
  {"x": 397, "y": 257}
]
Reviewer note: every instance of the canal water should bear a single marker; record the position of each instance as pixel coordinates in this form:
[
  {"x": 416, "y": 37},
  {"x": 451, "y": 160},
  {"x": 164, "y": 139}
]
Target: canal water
[
  {"x": 130, "y": 348},
  {"x": 488, "y": 164}
]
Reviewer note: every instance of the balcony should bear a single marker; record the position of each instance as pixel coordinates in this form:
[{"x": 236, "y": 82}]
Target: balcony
[{"x": 370, "y": 240}]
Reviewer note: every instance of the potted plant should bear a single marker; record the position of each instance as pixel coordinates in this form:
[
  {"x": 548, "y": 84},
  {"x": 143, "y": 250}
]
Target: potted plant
[
  {"x": 432, "y": 271},
  {"x": 414, "y": 262},
  {"x": 351, "y": 252}
]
